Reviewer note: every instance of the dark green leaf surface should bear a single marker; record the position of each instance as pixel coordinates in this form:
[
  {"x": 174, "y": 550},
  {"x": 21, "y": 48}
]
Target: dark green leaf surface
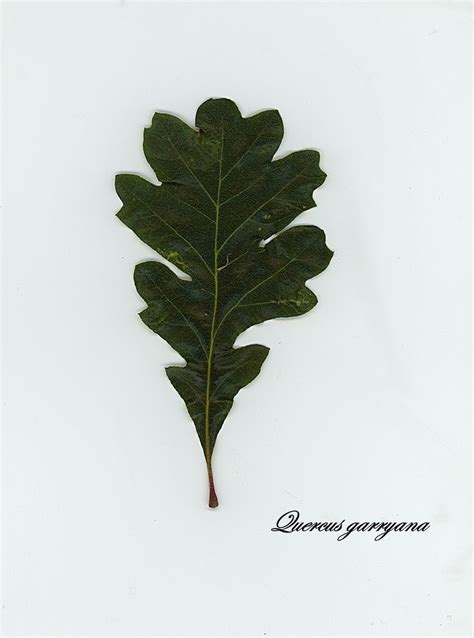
[{"x": 220, "y": 197}]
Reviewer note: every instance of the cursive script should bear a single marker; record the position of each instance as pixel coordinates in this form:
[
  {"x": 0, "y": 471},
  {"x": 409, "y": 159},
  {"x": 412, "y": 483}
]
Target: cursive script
[{"x": 290, "y": 522}]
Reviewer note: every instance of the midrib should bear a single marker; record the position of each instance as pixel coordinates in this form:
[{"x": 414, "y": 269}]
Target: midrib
[{"x": 214, "y": 311}]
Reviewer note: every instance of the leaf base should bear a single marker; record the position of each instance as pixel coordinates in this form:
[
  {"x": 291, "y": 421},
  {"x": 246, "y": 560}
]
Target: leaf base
[{"x": 213, "y": 502}]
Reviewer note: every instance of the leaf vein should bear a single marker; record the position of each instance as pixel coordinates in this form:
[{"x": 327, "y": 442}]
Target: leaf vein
[
  {"x": 259, "y": 209},
  {"x": 153, "y": 211},
  {"x": 155, "y": 283},
  {"x": 191, "y": 170},
  {"x": 246, "y": 152},
  {"x": 253, "y": 290}
]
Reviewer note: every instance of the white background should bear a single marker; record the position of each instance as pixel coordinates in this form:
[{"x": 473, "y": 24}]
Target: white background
[{"x": 361, "y": 410}]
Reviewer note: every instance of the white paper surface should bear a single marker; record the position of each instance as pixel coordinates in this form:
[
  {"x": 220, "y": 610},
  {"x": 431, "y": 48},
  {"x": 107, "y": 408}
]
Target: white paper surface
[{"x": 361, "y": 411}]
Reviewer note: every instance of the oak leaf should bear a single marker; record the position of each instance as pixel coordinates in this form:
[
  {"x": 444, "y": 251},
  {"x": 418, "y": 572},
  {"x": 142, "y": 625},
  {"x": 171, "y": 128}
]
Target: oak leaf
[{"x": 221, "y": 197}]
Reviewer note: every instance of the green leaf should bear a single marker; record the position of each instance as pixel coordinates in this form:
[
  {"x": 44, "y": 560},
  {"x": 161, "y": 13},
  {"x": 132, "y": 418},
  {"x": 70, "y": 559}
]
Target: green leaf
[{"x": 221, "y": 197}]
